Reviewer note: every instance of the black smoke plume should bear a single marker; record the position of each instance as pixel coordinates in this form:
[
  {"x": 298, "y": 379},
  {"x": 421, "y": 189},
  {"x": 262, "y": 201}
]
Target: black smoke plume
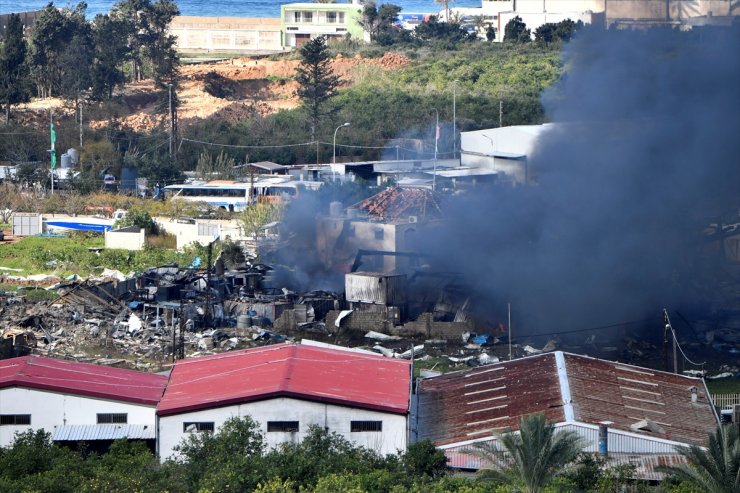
[{"x": 643, "y": 156}]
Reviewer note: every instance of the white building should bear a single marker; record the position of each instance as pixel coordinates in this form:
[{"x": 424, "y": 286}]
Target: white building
[
  {"x": 76, "y": 401},
  {"x": 505, "y": 150},
  {"x": 287, "y": 388}
]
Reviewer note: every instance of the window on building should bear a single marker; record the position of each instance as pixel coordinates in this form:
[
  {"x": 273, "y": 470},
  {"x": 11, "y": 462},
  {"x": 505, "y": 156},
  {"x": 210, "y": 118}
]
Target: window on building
[
  {"x": 305, "y": 17},
  {"x": 379, "y": 234},
  {"x": 286, "y": 426},
  {"x": 112, "y": 418},
  {"x": 357, "y": 426},
  {"x": 340, "y": 17},
  {"x": 15, "y": 419},
  {"x": 332, "y": 17},
  {"x": 296, "y": 17},
  {"x": 198, "y": 427}
]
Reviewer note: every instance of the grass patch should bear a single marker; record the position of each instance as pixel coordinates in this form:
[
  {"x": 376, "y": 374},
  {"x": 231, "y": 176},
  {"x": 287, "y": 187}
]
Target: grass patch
[
  {"x": 64, "y": 256},
  {"x": 724, "y": 386}
]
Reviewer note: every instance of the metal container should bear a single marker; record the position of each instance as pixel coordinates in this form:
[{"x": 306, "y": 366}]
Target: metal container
[
  {"x": 128, "y": 178},
  {"x": 26, "y": 224},
  {"x": 66, "y": 161},
  {"x": 376, "y": 288},
  {"x": 243, "y": 322},
  {"x": 75, "y": 155}
]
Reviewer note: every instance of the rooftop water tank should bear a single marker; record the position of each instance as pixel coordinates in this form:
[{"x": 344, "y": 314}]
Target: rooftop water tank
[
  {"x": 66, "y": 160},
  {"x": 75, "y": 155}
]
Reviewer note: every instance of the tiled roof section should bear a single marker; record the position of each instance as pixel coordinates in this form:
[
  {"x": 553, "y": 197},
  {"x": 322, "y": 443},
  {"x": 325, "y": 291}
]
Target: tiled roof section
[
  {"x": 288, "y": 370},
  {"x": 396, "y": 203},
  {"x": 624, "y": 394},
  {"x": 70, "y": 377},
  {"x": 472, "y": 404}
]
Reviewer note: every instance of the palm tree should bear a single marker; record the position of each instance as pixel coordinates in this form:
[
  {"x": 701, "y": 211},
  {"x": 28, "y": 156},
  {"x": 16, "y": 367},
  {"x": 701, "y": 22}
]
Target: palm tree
[
  {"x": 532, "y": 457},
  {"x": 716, "y": 469},
  {"x": 446, "y": 5}
]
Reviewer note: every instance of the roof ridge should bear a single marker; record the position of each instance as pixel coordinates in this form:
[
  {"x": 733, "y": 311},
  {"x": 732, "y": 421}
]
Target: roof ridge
[{"x": 286, "y": 380}]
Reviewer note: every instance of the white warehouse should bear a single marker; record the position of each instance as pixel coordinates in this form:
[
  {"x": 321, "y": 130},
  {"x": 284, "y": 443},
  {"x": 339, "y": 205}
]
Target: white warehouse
[
  {"x": 287, "y": 388},
  {"x": 76, "y": 401}
]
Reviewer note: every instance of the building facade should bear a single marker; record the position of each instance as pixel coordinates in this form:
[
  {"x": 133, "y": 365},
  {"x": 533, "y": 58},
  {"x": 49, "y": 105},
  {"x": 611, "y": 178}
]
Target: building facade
[
  {"x": 70, "y": 399},
  {"x": 301, "y": 22},
  {"x": 287, "y": 388}
]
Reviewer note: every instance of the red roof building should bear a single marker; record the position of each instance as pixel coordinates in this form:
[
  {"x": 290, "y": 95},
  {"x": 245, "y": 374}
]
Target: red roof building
[
  {"x": 84, "y": 379},
  {"x": 71, "y": 399},
  {"x": 287, "y": 388},
  {"x": 288, "y": 370}
]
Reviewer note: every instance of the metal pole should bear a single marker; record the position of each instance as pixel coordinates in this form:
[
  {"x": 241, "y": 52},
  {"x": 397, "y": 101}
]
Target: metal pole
[
  {"x": 508, "y": 307},
  {"x": 172, "y": 123},
  {"x": 80, "y": 107},
  {"x": 436, "y": 142},
  {"x": 53, "y": 151},
  {"x": 454, "y": 118},
  {"x": 334, "y": 154},
  {"x": 500, "y": 113}
]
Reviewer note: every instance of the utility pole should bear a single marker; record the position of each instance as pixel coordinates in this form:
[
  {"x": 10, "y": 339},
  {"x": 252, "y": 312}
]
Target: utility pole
[
  {"x": 52, "y": 151},
  {"x": 508, "y": 307},
  {"x": 668, "y": 328},
  {"x": 500, "y": 113},
  {"x": 80, "y": 109},
  {"x": 436, "y": 143},
  {"x": 454, "y": 118},
  {"x": 172, "y": 119}
]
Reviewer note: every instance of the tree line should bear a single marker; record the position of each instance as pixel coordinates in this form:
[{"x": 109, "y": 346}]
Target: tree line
[
  {"x": 68, "y": 56},
  {"x": 235, "y": 458}
]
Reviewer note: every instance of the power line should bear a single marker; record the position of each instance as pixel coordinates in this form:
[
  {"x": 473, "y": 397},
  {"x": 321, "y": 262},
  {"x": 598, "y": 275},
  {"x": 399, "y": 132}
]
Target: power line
[
  {"x": 602, "y": 327},
  {"x": 247, "y": 147}
]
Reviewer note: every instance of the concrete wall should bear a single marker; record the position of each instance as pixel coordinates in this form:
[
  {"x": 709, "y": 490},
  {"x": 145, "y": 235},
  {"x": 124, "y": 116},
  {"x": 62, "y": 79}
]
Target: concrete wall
[
  {"x": 125, "y": 239},
  {"x": 489, "y": 149},
  {"x": 226, "y": 34},
  {"x": 50, "y": 409},
  {"x": 188, "y": 233},
  {"x": 333, "y": 418}
]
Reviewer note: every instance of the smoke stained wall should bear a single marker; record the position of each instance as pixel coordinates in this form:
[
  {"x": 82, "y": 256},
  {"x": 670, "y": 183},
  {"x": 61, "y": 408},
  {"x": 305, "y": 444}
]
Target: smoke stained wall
[{"x": 644, "y": 154}]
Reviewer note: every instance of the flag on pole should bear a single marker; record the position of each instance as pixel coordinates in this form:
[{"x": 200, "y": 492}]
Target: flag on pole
[{"x": 53, "y": 135}]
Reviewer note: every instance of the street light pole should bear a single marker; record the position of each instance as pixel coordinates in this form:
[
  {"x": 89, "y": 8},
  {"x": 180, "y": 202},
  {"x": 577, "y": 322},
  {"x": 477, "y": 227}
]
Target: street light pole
[
  {"x": 334, "y": 159},
  {"x": 454, "y": 118},
  {"x": 436, "y": 142}
]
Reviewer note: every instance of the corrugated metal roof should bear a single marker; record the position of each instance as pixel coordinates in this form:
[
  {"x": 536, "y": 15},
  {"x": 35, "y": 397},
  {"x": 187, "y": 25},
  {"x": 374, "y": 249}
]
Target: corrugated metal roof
[
  {"x": 624, "y": 394},
  {"x": 469, "y": 405},
  {"x": 71, "y": 377},
  {"x": 472, "y": 404},
  {"x": 84, "y": 433},
  {"x": 288, "y": 370}
]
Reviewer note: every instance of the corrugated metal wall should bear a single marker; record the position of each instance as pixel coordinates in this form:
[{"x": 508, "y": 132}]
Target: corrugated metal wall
[{"x": 375, "y": 288}]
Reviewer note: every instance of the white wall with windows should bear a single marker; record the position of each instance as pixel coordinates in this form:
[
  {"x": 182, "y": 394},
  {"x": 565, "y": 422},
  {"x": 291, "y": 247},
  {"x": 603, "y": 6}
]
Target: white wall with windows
[
  {"x": 23, "y": 409},
  {"x": 287, "y": 420}
]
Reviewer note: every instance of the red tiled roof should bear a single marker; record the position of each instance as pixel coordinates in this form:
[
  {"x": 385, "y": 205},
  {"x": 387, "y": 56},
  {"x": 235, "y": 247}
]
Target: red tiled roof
[
  {"x": 396, "y": 203},
  {"x": 465, "y": 405},
  {"x": 288, "y": 370},
  {"x": 85, "y": 379}
]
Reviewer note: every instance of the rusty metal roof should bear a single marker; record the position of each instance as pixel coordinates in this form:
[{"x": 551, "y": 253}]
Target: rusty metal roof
[
  {"x": 625, "y": 394},
  {"x": 472, "y": 404},
  {"x": 396, "y": 203}
]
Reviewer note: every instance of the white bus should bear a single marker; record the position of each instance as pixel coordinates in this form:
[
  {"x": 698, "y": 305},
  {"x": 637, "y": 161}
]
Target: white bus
[{"x": 236, "y": 196}]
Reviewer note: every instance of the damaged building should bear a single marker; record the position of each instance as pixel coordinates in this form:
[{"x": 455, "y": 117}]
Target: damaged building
[{"x": 630, "y": 414}]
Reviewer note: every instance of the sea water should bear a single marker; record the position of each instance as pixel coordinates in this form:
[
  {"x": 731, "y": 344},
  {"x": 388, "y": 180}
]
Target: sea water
[{"x": 224, "y": 8}]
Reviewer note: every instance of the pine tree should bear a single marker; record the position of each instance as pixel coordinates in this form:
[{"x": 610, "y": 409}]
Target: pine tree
[
  {"x": 14, "y": 74},
  {"x": 316, "y": 80}
]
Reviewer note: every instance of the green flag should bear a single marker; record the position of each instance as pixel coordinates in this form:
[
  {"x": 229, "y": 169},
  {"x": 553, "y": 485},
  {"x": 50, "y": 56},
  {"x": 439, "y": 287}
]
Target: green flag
[{"x": 53, "y": 135}]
